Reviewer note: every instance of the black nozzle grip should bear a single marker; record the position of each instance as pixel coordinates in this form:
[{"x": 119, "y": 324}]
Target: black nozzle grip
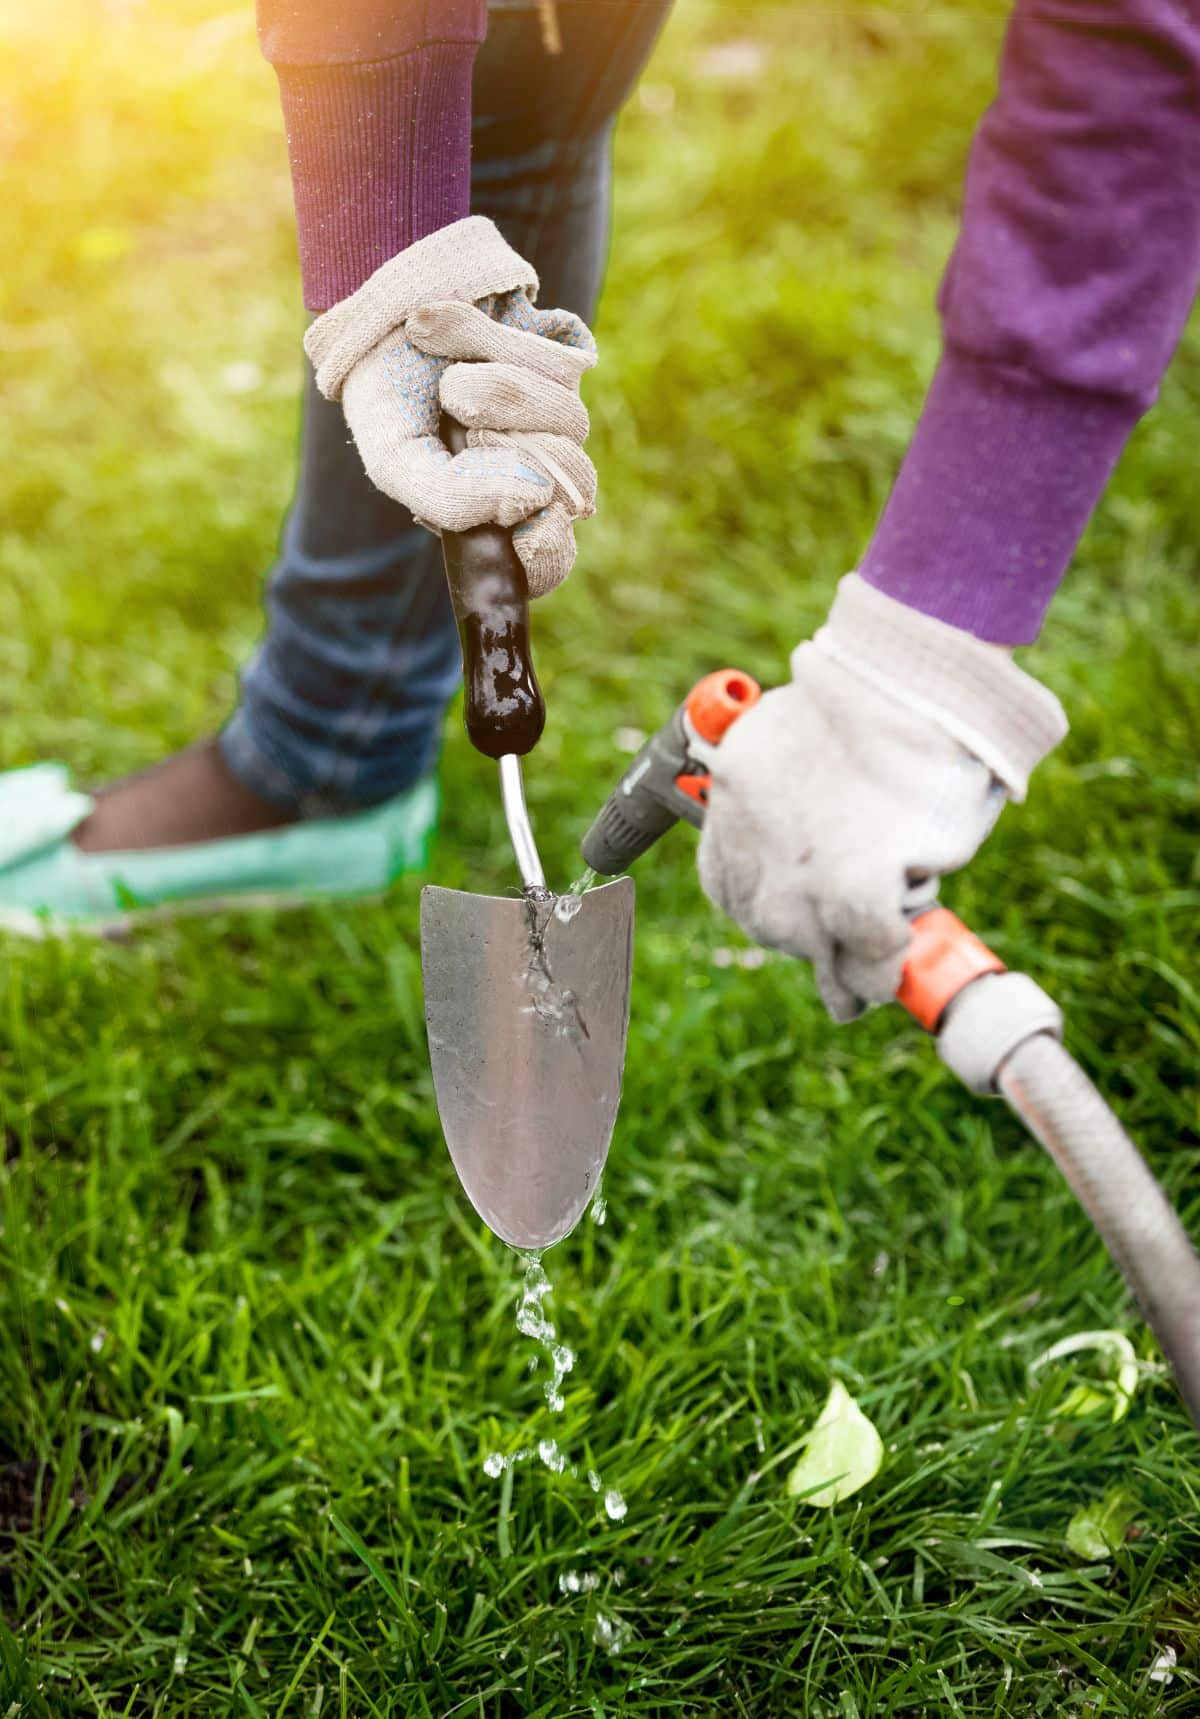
[
  {"x": 645, "y": 803},
  {"x": 623, "y": 831},
  {"x": 505, "y": 711}
]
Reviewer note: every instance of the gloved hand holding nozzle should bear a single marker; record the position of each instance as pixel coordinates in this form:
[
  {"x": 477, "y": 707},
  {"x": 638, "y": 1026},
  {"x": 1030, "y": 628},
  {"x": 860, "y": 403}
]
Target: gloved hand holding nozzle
[
  {"x": 830, "y": 808},
  {"x": 839, "y": 801}
]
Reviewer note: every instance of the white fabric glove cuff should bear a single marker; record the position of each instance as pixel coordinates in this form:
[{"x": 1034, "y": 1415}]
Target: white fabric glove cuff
[
  {"x": 468, "y": 260},
  {"x": 973, "y": 690}
]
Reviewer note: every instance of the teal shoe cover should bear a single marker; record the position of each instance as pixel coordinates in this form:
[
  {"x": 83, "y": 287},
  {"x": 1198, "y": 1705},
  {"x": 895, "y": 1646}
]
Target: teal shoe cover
[{"x": 47, "y": 883}]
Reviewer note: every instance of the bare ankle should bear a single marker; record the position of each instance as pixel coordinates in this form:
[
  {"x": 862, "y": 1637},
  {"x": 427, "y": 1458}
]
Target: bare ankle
[{"x": 191, "y": 797}]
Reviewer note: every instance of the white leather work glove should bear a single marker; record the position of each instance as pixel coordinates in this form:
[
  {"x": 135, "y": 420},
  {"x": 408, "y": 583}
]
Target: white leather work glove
[
  {"x": 839, "y": 801},
  {"x": 450, "y": 324}
]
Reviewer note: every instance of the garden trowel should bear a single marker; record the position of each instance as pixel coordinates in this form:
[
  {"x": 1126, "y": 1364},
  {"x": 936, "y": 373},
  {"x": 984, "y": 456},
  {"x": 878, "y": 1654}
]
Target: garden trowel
[{"x": 526, "y": 996}]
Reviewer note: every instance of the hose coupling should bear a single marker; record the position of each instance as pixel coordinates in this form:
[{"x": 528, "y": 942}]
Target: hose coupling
[{"x": 988, "y": 1020}]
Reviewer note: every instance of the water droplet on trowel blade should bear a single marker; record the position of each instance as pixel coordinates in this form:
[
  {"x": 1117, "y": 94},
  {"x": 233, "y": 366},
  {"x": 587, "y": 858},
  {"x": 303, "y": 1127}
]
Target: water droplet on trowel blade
[
  {"x": 567, "y": 906},
  {"x": 555, "y": 1006}
]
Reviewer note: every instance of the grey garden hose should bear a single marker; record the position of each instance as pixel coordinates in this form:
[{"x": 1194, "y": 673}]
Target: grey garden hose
[{"x": 1113, "y": 1183}]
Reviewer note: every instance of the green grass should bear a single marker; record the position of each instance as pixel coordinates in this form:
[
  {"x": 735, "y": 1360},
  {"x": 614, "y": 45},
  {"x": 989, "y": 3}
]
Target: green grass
[{"x": 254, "y": 1345}]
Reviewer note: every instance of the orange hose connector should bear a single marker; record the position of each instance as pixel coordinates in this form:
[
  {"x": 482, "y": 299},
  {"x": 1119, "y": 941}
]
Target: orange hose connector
[
  {"x": 943, "y": 957},
  {"x": 715, "y": 703}
]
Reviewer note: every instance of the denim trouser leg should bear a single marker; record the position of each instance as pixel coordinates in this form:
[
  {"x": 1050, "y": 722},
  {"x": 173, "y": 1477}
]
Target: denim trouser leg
[{"x": 342, "y": 704}]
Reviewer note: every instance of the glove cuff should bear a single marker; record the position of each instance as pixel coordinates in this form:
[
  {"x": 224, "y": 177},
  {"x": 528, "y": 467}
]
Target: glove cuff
[
  {"x": 973, "y": 690},
  {"x": 468, "y": 260}
]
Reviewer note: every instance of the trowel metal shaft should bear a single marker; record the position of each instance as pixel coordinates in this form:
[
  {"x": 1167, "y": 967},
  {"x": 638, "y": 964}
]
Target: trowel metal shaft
[{"x": 516, "y": 813}]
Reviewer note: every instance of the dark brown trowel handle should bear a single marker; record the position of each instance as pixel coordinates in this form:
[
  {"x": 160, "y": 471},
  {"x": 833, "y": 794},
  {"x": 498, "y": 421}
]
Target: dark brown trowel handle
[{"x": 505, "y": 711}]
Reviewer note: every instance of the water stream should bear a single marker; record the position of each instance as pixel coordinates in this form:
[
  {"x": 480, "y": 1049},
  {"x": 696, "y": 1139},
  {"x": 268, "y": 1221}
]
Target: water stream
[
  {"x": 533, "y": 1322},
  {"x": 559, "y": 1009}
]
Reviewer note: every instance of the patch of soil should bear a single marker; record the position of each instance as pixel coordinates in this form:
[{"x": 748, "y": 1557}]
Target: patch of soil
[
  {"x": 21, "y": 1494},
  {"x": 23, "y": 1499},
  {"x": 18, "y": 1496}
]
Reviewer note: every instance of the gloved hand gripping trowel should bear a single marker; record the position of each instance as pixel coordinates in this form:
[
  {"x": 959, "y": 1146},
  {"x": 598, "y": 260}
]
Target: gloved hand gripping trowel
[
  {"x": 998, "y": 1031},
  {"x": 527, "y": 1011}
]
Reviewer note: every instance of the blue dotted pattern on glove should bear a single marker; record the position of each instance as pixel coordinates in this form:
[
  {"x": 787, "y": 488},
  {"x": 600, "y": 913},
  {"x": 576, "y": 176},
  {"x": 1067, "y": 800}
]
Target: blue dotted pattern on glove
[
  {"x": 514, "y": 310},
  {"x": 415, "y": 378}
]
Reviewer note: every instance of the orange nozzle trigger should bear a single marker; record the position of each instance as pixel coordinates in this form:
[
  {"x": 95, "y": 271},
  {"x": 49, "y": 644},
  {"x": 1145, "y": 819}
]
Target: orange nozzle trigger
[
  {"x": 943, "y": 957},
  {"x": 715, "y": 703}
]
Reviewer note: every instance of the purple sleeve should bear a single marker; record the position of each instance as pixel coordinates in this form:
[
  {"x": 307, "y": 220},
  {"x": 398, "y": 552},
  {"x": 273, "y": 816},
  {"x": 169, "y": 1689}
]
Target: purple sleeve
[
  {"x": 377, "y": 108},
  {"x": 1076, "y": 266}
]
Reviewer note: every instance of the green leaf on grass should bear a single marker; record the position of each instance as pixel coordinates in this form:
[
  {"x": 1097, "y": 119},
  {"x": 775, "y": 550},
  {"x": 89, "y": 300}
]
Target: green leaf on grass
[
  {"x": 1111, "y": 1380},
  {"x": 1099, "y": 1528},
  {"x": 844, "y": 1452}
]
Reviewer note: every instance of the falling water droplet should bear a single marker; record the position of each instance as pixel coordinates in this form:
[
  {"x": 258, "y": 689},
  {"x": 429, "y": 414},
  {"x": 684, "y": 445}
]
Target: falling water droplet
[
  {"x": 615, "y": 1505},
  {"x": 496, "y": 1464},
  {"x": 554, "y": 1459},
  {"x": 563, "y": 1360},
  {"x": 598, "y": 1210},
  {"x": 534, "y": 1322},
  {"x": 613, "y": 1634},
  {"x": 531, "y": 1316}
]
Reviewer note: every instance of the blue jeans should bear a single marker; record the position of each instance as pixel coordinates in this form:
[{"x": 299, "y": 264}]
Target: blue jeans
[{"x": 342, "y": 705}]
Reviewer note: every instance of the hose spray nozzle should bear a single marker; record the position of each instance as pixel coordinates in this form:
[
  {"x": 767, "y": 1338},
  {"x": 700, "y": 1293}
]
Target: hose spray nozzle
[{"x": 670, "y": 777}]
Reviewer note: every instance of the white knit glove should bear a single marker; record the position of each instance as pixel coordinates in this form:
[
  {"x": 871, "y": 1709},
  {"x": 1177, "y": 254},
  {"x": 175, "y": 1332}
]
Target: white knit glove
[
  {"x": 839, "y": 801},
  {"x": 450, "y": 324}
]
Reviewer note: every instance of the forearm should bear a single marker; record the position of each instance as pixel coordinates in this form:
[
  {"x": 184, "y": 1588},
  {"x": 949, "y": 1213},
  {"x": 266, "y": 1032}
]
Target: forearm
[
  {"x": 377, "y": 106},
  {"x": 1077, "y": 263}
]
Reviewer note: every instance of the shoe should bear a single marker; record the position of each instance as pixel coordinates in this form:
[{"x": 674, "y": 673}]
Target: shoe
[{"x": 48, "y": 885}]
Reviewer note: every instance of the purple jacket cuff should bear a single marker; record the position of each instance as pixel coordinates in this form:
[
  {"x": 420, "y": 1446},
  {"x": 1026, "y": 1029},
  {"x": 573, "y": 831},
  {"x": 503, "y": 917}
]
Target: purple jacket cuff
[
  {"x": 999, "y": 482},
  {"x": 380, "y": 155},
  {"x": 353, "y": 32}
]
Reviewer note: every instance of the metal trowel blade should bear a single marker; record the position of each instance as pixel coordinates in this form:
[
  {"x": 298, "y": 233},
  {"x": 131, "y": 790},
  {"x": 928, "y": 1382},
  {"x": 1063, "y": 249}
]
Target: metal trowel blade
[{"x": 527, "y": 1017}]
